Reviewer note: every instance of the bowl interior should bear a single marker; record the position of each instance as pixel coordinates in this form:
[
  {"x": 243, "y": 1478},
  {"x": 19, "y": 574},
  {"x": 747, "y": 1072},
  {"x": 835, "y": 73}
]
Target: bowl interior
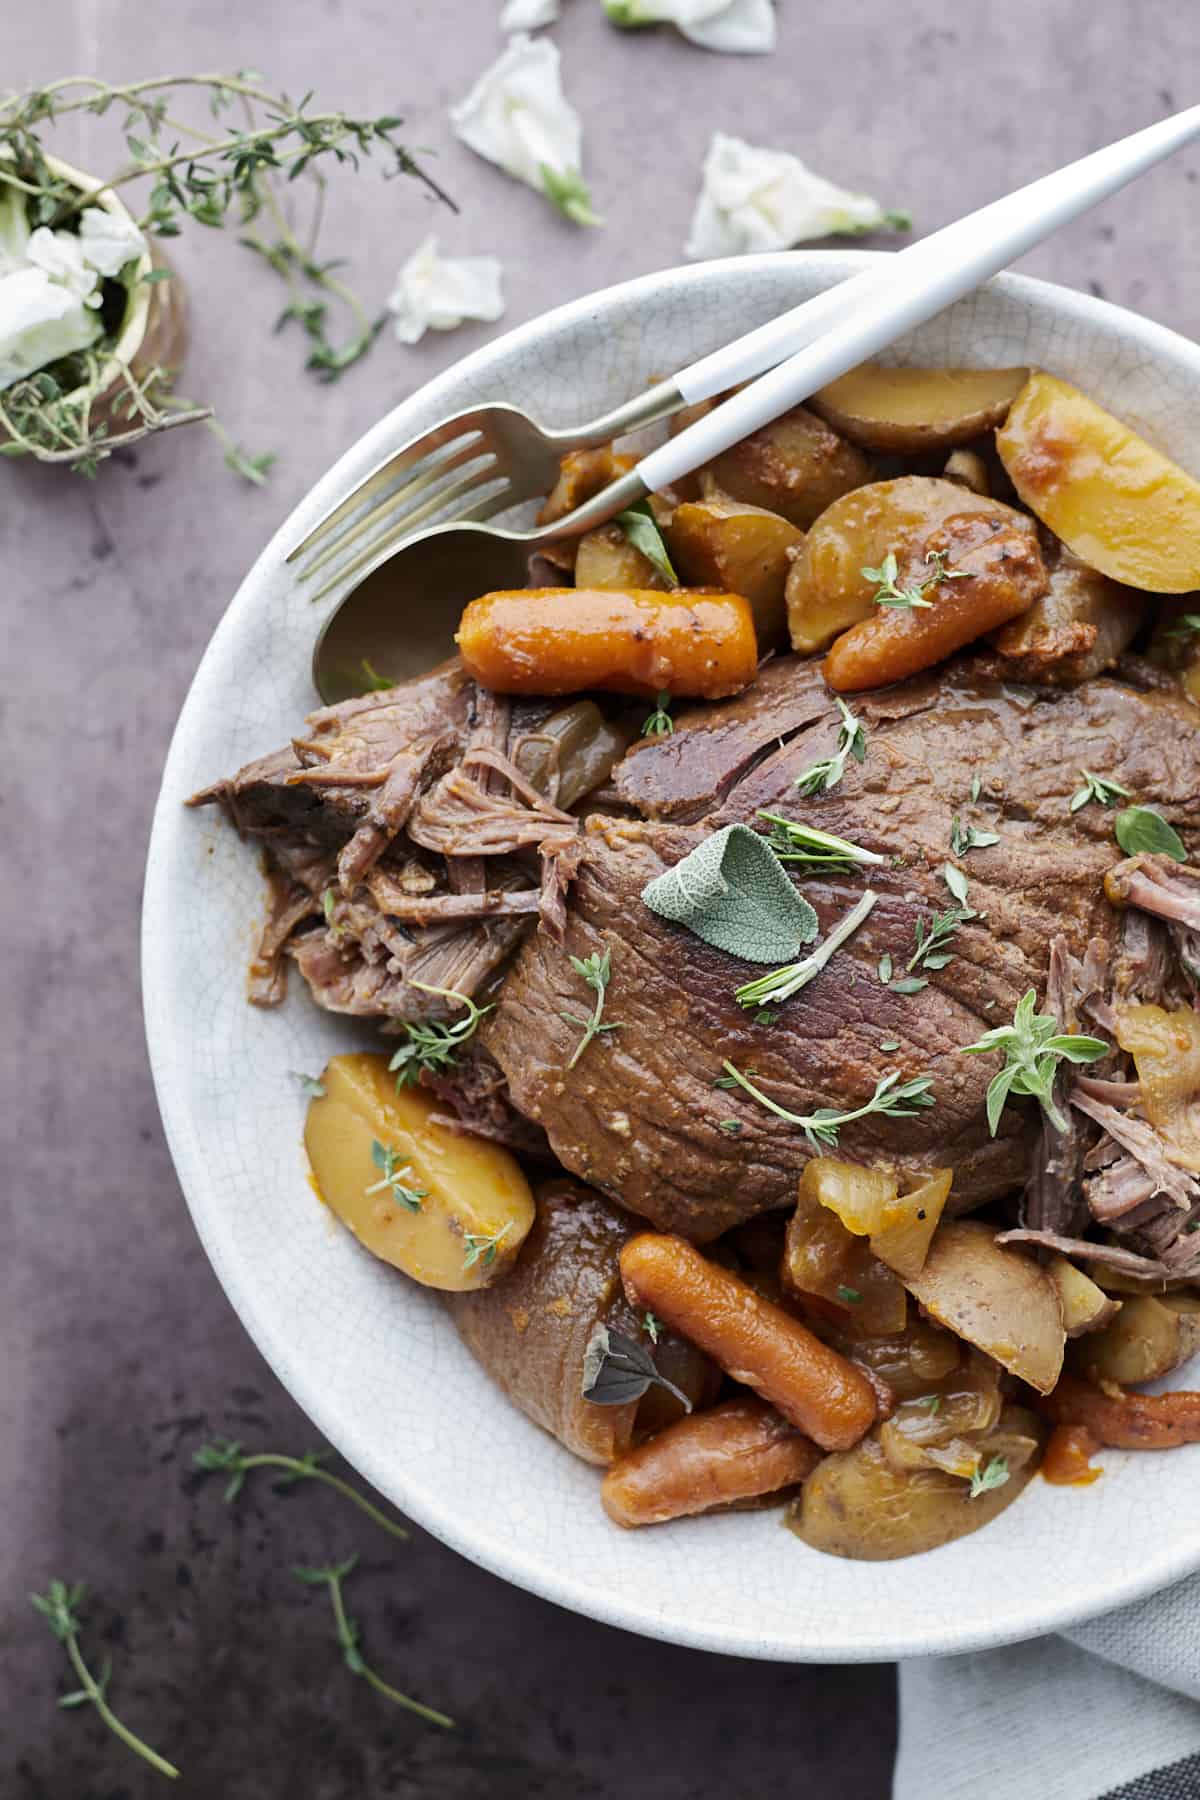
[{"x": 372, "y": 1358}]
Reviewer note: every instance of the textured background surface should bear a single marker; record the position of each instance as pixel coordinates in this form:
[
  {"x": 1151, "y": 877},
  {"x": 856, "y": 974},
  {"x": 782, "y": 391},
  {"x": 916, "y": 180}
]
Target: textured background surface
[{"x": 117, "y": 1350}]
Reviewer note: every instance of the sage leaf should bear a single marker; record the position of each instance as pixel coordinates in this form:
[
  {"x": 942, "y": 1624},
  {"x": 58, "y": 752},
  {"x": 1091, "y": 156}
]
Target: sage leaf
[
  {"x": 731, "y": 891},
  {"x": 1141, "y": 830},
  {"x": 617, "y": 1369},
  {"x": 641, "y": 528}
]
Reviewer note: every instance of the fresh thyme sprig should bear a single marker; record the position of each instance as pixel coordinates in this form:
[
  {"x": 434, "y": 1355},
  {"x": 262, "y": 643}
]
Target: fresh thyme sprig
[
  {"x": 434, "y": 1046},
  {"x": 1185, "y": 625},
  {"x": 659, "y": 723},
  {"x": 894, "y": 1098},
  {"x": 60, "y": 1606},
  {"x": 349, "y": 1637},
  {"x": 209, "y": 174},
  {"x": 396, "y": 1177},
  {"x": 482, "y": 1248},
  {"x": 1104, "y": 791},
  {"x": 224, "y": 1457},
  {"x": 1033, "y": 1047},
  {"x": 904, "y": 599},
  {"x": 782, "y": 983},
  {"x": 821, "y": 776},
  {"x": 994, "y": 1474},
  {"x": 807, "y": 847},
  {"x": 935, "y": 937},
  {"x": 596, "y": 970}
]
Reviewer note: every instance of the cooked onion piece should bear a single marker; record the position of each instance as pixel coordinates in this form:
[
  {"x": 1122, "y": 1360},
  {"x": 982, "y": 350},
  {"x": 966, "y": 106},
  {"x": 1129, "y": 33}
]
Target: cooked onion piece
[
  {"x": 450, "y": 1210},
  {"x": 1118, "y": 503}
]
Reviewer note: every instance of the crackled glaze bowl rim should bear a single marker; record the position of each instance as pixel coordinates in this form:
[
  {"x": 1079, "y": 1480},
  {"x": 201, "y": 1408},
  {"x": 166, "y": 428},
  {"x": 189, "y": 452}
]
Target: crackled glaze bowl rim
[{"x": 1041, "y": 1601}]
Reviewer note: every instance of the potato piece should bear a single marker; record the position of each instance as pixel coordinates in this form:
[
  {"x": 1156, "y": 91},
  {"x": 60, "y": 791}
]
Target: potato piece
[
  {"x": 1149, "y": 1337},
  {"x": 995, "y": 1298},
  {"x": 728, "y": 544},
  {"x": 856, "y": 1505},
  {"x": 740, "y": 1451},
  {"x": 795, "y": 466},
  {"x": 1078, "y": 628},
  {"x": 1085, "y": 1306},
  {"x": 573, "y": 640},
  {"x": 606, "y": 559},
  {"x": 1113, "y": 499},
  {"x": 912, "y": 410},
  {"x": 581, "y": 475},
  {"x": 827, "y": 591},
  {"x": 968, "y": 469},
  {"x": 992, "y": 573},
  {"x": 753, "y": 1340},
  {"x": 473, "y": 1204}
]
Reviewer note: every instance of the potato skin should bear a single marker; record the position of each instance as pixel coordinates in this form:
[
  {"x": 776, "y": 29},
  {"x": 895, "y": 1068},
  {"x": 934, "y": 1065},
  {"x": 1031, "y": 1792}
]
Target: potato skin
[
  {"x": 732, "y": 1453},
  {"x": 754, "y": 1341},
  {"x": 725, "y": 543},
  {"x": 856, "y": 1505},
  {"x": 1118, "y": 503},
  {"x": 997, "y": 1299},
  {"x": 578, "y": 640},
  {"x": 795, "y": 466},
  {"x": 1146, "y": 1339},
  {"x": 471, "y": 1186},
  {"x": 606, "y": 559},
  {"x": 1004, "y": 575},
  {"x": 907, "y": 410},
  {"x": 827, "y": 591}
]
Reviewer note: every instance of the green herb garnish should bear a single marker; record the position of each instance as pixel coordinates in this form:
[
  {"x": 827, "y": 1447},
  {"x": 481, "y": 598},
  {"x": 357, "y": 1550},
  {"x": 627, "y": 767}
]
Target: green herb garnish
[
  {"x": 641, "y": 528},
  {"x": 931, "y": 1402},
  {"x": 1140, "y": 830},
  {"x": 956, "y": 881},
  {"x": 731, "y": 891},
  {"x": 616, "y": 1369},
  {"x": 889, "y": 594},
  {"x": 1033, "y": 1047},
  {"x": 994, "y": 1474},
  {"x": 652, "y": 1326},
  {"x": 908, "y": 984},
  {"x": 884, "y": 968},
  {"x": 1184, "y": 626},
  {"x": 934, "y": 940},
  {"x": 311, "y": 1084},
  {"x": 660, "y": 723},
  {"x": 434, "y": 1046},
  {"x": 849, "y": 1296},
  {"x": 966, "y": 837},
  {"x": 782, "y": 983},
  {"x": 821, "y": 776},
  {"x": 60, "y": 1606},
  {"x": 1097, "y": 788},
  {"x": 731, "y": 1127},
  {"x": 348, "y": 1636},
  {"x": 224, "y": 1457},
  {"x": 396, "y": 1178},
  {"x": 892, "y": 1097},
  {"x": 375, "y": 682},
  {"x": 889, "y": 1044},
  {"x": 804, "y": 846},
  {"x": 976, "y": 787},
  {"x": 481, "y": 1248},
  {"x": 596, "y": 970}
]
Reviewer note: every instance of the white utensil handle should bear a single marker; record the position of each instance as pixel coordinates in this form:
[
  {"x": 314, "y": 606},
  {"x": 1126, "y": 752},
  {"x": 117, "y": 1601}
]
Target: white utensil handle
[{"x": 881, "y": 303}]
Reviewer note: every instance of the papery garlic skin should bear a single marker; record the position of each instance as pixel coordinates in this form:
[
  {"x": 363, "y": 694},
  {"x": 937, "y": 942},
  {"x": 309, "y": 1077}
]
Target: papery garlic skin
[
  {"x": 528, "y": 15},
  {"x": 736, "y": 27},
  {"x": 40, "y": 320},
  {"x": 518, "y": 117},
  {"x": 436, "y": 293},
  {"x": 109, "y": 240},
  {"x": 59, "y": 254},
  {"x": 759, "y": 199}
]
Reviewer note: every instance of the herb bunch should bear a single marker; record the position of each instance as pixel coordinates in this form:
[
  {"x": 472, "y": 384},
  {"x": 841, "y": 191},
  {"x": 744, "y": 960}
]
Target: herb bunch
[{"x": 237, "y": 167}]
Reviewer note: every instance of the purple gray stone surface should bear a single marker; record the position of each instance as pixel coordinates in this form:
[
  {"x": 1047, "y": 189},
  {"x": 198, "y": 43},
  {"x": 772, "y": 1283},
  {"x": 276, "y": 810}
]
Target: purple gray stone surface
[{"x": 118, "y": 1352}]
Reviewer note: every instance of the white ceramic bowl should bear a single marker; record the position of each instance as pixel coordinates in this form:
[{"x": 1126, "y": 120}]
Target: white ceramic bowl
[{"x": 371, "y": 1358}]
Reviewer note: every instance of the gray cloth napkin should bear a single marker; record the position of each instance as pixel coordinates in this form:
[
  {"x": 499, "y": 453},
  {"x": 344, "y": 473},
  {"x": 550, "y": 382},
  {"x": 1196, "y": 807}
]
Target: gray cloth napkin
[{"x": 1107, "y": 1712}]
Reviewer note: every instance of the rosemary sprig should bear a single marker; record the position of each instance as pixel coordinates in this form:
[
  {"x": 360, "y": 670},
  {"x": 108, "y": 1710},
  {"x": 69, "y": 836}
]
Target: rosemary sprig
[
  {"x": 659, "y": 723},
  {"x": 434, "y": 1046},
  {"x": 892, "y": 1097},
  {"x": 782, "y": 983},
  {"x": 1104, "y": 792},
  {"x": 60, "y": 1606},
  {"x": 396, "y": 1177},
  {"x": 225, "y": 1457},
  {"x": 1033, "y": 1047},
  {"x": 821, "y": 776},
  {"x": 349, "y": 1637},
  {"x": 596, "y": 970},
  {"x": 904, "y": 599},
  {"x": 807, "y": 847}
]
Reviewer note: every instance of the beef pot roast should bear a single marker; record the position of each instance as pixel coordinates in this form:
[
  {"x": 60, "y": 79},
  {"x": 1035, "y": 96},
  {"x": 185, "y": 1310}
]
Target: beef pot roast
[{"x": 640, "y": 1116}]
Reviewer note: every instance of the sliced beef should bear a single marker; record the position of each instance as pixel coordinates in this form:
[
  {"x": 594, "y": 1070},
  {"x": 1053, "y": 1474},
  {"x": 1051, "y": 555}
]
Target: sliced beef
[{"x": 640, "y": 1117}]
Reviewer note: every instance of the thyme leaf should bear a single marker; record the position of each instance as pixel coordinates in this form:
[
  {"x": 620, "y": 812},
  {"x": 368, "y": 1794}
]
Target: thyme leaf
[
  {"x": 223, "y": 1456},
  {"x": 821, "y": 776},
  {"x": 396, "y": 1178},
  {"x": 892, "y": 1097},
  {"x": 966, "y": 837},
  {"x": 61, "y": 1607},
  {"x": 596, "y": 970},
  {"x": 349, "y": 1637},
  {"x": 994, "y": 1474},
  {"x": 659, "y": 723},
  {"x": 904, "y": 599},
  {"x": 434, "y": 1045}
]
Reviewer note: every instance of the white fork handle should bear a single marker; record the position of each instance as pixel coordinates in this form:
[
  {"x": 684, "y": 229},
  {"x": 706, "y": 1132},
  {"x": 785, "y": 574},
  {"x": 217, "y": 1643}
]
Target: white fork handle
[{"x": 881, "y": 303}]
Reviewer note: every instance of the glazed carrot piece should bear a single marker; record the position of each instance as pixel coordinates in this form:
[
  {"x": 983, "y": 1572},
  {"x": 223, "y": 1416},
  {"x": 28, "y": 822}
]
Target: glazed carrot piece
[
  {"x": 631, "y": 641},
  {"x": 738, "y": 1451},
  {"x": 751, "y": 1338},
  {"x": 1126, "y": 1421},
  {"x": 994, "y": 572}
]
